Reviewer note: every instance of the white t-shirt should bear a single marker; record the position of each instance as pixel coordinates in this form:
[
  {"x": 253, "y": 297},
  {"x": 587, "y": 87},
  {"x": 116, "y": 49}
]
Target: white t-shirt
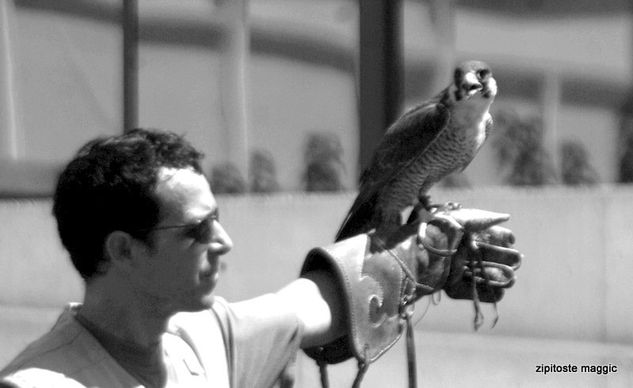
[{"x": 246, "y": 344}]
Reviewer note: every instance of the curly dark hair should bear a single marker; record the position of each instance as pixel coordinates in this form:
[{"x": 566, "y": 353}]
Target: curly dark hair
[{"x": 110, "y": 185}]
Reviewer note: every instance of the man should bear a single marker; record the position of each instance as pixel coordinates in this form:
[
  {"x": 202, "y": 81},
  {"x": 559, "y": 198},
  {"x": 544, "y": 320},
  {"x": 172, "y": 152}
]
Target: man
[{"x": 142, "y": 227}]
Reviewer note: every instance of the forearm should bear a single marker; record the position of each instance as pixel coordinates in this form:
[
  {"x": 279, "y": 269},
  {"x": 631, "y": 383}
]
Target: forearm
[
  {"x": 317, "y": 300},
  {"x": 355, "y": 294}
]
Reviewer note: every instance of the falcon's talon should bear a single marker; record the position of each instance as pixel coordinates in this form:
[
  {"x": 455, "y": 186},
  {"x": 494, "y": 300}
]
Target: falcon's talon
[
  {"x": 436, "y": 206},
  {"x": 453, "y": 205}
]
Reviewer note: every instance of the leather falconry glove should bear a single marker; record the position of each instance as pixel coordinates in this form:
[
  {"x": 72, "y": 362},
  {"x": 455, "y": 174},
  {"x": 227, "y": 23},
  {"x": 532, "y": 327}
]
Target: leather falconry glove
[
  {"x": 485, "y": 250},
  {"x": 381, "y": 280},
  {"x": 483, "y": 265}
]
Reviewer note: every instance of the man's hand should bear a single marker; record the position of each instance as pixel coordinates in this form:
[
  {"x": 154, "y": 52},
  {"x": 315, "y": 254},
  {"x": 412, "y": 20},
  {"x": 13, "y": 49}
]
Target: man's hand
[
  {"x": 374, "y": 282},
  {"x": 463, "y": 246},
  {"x": 485, "y": 257},
  {"x": 467, "y": 254}
]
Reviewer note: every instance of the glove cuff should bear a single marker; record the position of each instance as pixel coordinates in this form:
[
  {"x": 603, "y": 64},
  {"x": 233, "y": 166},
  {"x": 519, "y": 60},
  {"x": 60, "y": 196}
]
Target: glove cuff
[{"x": 377, "y": 293}]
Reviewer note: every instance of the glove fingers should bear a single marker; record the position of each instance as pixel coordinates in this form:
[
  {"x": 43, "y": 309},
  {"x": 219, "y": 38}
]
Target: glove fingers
[
  {"x": 475, "y": 220},
  {"x": 496, "y": 275},
  {"x": 496, "y": 254},
  {"x": 489, "y": 295},
  {"x": 497, "y": 235}
]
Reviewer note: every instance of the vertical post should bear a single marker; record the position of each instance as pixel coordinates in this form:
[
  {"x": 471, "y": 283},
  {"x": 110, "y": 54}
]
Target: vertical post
[
  {"x": 130, "y": 64},
  {"x": 443, "y": 20},
  {"x": 233, "y": 80},
  {"x": 381, "y": 71},
  {"x": 8, "y": 115}
]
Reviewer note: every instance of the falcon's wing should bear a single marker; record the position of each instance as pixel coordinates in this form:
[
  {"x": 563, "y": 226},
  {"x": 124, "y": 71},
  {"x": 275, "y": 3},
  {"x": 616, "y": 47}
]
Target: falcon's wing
[{"x": 404, "y": 142}]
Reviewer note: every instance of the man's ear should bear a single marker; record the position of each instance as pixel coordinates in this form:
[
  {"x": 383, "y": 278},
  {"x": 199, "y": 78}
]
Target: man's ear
[{"x": 118, "y": 248}]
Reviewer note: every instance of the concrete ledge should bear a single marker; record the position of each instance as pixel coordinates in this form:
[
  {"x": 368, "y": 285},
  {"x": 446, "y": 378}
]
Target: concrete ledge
[
  {"x": 476, "y": 360},
  {"x": 443, "y": 359}
]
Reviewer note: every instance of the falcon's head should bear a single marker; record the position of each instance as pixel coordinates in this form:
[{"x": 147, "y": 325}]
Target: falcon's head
[{"x": 474, "y": 79}]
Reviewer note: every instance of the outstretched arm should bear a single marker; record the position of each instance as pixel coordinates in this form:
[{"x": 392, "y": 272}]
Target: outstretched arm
[
  {"x": 442, "y": 252},
  {"x": 316, "y": 298}
]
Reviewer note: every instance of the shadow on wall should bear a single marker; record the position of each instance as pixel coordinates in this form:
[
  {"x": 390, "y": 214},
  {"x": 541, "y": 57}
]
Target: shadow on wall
[
  {"x": 523, "y": 159},
  {"x": 323, "y": 170},
  {"x": 324, "y": 166}
]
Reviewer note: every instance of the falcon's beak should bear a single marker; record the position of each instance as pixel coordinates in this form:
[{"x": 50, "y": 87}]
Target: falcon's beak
[{"x": 471, "y": 84}]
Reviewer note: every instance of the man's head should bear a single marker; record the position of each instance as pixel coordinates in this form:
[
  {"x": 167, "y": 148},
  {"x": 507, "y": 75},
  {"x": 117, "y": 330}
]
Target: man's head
[{"x": 110, "y": 185}]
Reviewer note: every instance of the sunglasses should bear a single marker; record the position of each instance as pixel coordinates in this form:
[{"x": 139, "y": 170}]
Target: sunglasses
[{"x": 200, "y": 231}]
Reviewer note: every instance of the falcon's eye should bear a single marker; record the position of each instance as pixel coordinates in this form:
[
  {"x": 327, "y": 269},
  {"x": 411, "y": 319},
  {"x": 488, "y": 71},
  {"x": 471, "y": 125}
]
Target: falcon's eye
[{"x": 483, "y": 73}]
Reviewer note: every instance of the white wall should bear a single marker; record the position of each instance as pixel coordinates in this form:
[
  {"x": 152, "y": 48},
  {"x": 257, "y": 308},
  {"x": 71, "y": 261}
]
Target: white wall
[{"x": 572, "y": 300}]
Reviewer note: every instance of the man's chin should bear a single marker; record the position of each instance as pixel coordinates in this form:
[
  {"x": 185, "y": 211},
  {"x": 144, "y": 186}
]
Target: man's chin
[{"x": 204, "y": 303}]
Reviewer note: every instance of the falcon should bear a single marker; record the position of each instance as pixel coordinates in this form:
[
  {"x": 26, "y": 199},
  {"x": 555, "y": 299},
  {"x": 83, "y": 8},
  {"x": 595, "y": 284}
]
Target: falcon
[{"x": 427, "y": 143}]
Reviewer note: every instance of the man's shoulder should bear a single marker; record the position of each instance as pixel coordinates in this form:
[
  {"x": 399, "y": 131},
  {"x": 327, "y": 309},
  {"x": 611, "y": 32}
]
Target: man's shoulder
[
  {"x": 261, "y": 311},
  {"x": 38, "y": 377},
  {"x": 206, "y": 326},
  {"x": 50, "y": 346},
  {"x": 52, "y": 359},
  {"x": 198, "y": 319},
  {"x": 43, "y": 363}
]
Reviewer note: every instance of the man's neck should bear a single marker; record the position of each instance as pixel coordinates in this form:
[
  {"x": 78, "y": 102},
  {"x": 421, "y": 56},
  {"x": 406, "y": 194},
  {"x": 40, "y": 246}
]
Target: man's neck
[
  {"x": 112, "y": 309},
  {"x": 128, "y": 328},
  {"x": 145, "y": 363}
]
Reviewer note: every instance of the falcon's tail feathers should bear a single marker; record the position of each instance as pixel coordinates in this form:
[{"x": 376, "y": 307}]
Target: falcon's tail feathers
[{"x": 358, "y": 220}]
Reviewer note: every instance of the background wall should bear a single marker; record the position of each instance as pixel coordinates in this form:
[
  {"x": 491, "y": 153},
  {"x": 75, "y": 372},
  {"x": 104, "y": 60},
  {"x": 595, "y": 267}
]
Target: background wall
[
  {"x": 61, "y": 65},
  {"x": 571, "y": 303}
]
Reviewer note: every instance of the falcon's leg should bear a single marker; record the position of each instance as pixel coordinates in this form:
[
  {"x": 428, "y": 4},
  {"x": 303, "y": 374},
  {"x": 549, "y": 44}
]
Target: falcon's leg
[
  {"x": 422, "y": 210},
  {"x": 385, "y": 230},
  {"x": 425, "y": 201},
  {"x": 424, "y": 198}
]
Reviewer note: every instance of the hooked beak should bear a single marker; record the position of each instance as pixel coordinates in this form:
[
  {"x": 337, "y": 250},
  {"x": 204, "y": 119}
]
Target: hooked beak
[{"x": 471, "y": 84}]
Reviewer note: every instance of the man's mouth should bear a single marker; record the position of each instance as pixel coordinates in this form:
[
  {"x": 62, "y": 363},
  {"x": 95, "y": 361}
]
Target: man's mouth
[{"x": 212, "y": 271}]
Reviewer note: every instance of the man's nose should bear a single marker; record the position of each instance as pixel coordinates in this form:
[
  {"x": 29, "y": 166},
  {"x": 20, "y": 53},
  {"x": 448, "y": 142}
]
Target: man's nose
[{"x": 221, "y": 242}]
